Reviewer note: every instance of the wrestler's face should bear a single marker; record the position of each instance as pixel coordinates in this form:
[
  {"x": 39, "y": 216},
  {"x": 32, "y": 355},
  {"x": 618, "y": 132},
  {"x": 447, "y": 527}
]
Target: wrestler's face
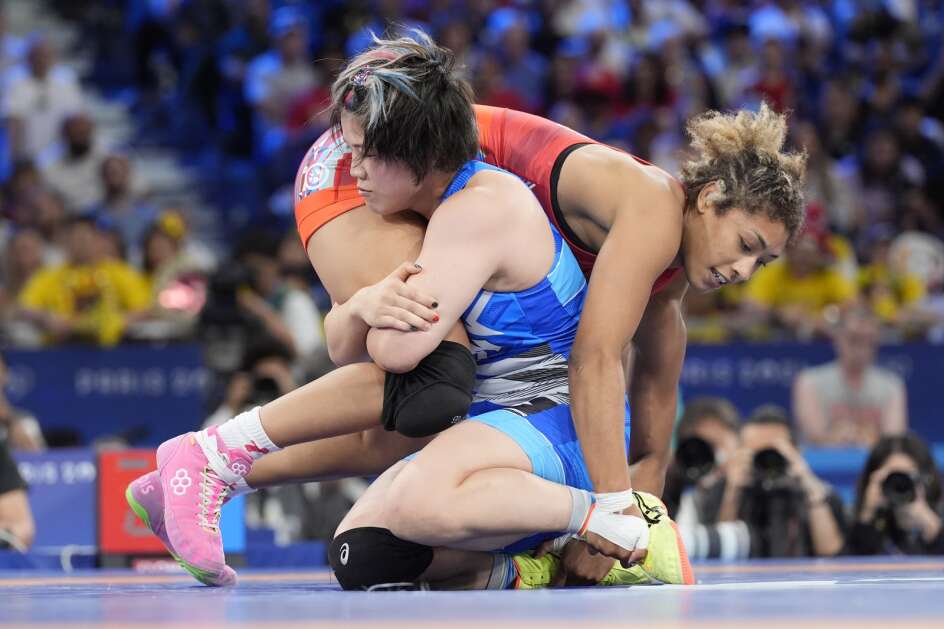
[
  {"x": 388, "y": 187},
  {"x": 727, "y": 248}
]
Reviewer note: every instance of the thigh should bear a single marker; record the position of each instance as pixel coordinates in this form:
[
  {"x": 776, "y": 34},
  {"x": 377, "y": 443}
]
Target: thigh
[
  {"x": 464, "y": 449},
  {"x": 545, "y": 432},
  {"x": 360, "y": 248},
  {"x": 369, "y": 508}
]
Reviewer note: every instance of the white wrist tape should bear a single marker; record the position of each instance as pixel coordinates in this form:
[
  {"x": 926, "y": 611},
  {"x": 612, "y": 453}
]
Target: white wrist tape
[
  {"x": 614, "y": 502},
  {"x": 627, "y": 531}
]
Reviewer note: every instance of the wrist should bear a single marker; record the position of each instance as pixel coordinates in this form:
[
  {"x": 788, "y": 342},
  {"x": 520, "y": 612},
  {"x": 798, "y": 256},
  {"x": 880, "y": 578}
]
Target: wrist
[
  {"x": 614, "y": 501},
  {"x": 931, "y": 527},
  {"x": 815, "y": 492}
]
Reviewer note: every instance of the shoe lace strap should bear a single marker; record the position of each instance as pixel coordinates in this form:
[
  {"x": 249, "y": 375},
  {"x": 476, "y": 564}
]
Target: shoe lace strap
[
  {"x": 652, "y": 514},
  {"x": 213, "y": 492}
]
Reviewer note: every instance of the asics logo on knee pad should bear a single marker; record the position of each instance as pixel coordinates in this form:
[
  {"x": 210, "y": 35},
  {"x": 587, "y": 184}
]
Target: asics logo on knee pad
[
  {"x": 180, "y": 481},
  {"x": 343, "y": 555}
]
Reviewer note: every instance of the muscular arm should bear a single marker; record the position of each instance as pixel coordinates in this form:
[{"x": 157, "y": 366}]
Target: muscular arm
[
  {"x": 660, "y": 349},
  {"x": 462, "y": 249},
  {"x": 345, "y": 335},
  {"x": 642, "y": 242}
]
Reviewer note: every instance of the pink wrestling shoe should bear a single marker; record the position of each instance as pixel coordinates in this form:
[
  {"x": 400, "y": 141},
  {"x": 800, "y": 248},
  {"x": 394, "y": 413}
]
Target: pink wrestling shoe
[
  {"x": 197, "y": 473},
  {"x": 146, "y": 499}
]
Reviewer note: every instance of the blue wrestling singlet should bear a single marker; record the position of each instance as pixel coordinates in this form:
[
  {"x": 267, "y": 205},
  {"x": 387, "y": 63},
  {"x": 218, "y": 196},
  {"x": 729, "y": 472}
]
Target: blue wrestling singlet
[{"x": 521, "y": 342}]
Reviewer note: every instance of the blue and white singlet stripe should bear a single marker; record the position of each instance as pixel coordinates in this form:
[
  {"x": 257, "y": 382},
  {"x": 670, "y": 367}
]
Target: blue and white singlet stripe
[{"x": 521, "y": 340}]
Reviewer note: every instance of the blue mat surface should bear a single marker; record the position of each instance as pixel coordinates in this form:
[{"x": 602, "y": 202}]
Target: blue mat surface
[{"x": 842, "y": 592}]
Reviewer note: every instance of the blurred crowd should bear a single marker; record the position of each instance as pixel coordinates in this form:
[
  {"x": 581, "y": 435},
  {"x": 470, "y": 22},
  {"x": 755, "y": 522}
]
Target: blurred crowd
[{"x": 238, "y": 88}]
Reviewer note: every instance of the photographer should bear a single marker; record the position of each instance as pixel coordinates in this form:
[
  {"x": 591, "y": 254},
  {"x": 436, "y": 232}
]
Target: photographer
[
  {"x": 697, "y": 477},
  {"x": 898, "y": 501},
  {"x": 790, "y": 512},
  {"x": 707, "y": 437},
  {"x": 266, "y": 374}
]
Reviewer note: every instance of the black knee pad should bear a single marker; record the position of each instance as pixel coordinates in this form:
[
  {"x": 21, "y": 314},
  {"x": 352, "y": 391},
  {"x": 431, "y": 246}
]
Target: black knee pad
[
  {"x": 369, "y": 556},
  {"x": 433, "y": 396}
]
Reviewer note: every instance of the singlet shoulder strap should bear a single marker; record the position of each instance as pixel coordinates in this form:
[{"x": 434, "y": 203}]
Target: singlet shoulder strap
[{"x": 466, "y": 172}]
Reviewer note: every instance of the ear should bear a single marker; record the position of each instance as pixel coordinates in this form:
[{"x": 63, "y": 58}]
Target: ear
[{"x": 710, "y": 194}]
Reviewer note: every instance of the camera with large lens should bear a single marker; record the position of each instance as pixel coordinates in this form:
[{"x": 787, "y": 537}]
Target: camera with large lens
[
  {"x": 264, "y": 390},
  {"x": 899, "y": 489},
  {"x": 770, "y": 468},
  {"x": 695, "y": 458},
  {"x": 223, "y": 326}
]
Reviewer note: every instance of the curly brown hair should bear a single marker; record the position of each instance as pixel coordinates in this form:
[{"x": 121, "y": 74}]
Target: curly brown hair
[{"x": 743, "y": 152}]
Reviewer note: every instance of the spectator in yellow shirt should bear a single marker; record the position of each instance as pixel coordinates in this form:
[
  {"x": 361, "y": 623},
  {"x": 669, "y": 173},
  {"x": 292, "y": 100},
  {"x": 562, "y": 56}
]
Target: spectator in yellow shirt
[
  {"x": 90, "y": 298},
  {"x": 801, "y": 292},
  {"x": 891, "y": 293}
]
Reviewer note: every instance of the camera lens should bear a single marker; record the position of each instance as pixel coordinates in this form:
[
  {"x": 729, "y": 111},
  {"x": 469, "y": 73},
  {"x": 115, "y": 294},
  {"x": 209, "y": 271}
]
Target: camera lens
[
  {"x": 695, "y": 457},
  {"x": 899, "y": 488},
  {"x": 769, "y": 464}
]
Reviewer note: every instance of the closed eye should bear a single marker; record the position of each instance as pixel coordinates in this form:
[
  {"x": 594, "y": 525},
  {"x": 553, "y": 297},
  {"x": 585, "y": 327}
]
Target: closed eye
[{"x": 746, "y": 248}]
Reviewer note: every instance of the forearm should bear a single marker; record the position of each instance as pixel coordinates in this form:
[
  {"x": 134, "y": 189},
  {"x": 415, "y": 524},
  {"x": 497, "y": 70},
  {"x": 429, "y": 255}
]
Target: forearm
[
  {"x": 654, "y": 406},
  {"x": 395, "y": 351},
  {"x": 827, "y": 536},
  {"x": 660, "y": 342},
  {"x": 730, "y": 503},
  {"x": 654, "y": 401},
  {"x": 346, "y": 335},
  {"x": 598, "y": 405}
]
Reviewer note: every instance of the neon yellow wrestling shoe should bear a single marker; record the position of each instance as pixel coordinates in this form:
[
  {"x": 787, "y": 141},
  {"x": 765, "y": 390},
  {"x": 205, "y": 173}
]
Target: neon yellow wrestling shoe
[
  {"x": 538, "y": 572},
  {"x": 667, "y": 560},
  {"x": 534, "y": 572}
]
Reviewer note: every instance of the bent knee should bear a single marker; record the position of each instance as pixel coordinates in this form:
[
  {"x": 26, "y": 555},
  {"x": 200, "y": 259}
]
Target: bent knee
[
  {"x": 416, "y": 506},
  {"x": 432, "y": 410},
  {"x": 434, "y": 395},
  {"x": 366, "y": 557}
]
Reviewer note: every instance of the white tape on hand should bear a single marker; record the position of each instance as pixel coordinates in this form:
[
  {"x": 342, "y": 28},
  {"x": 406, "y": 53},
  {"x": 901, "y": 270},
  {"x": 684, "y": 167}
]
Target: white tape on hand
[
  {"x": 614, "y": 502},
  {"x": 627, "y": 531}
]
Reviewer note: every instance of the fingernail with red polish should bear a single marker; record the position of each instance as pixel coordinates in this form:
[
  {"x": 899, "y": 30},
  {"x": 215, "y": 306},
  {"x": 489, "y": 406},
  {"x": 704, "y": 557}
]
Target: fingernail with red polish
[{"x": 435, "y": 318}]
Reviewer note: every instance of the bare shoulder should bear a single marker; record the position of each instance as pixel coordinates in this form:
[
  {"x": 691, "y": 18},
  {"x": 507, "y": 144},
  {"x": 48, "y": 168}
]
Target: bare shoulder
[{"x": 602, "y": 182}]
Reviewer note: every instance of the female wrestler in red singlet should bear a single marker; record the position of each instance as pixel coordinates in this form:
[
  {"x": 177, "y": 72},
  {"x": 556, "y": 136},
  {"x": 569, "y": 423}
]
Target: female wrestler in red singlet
[{"x": 645, "y": 235}]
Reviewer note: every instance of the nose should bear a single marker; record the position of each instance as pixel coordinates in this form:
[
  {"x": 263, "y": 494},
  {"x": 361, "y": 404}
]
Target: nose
[
  {"x": 357, "y": 169},
  {"x": 743, "y": 269}
]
